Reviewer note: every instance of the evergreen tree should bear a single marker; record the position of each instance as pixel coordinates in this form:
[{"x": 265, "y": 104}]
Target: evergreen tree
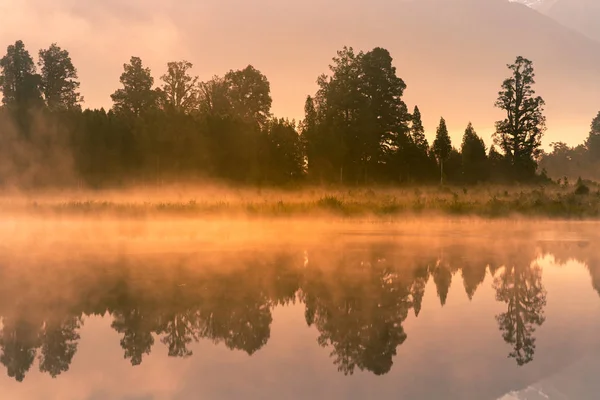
[
  {"x": 59, "y": 79},
  {"x": 520, "y": 133},
  {"x": 417, "y": 131},
  {"x": 363, "y": 122},
  {"x": 385, "y": 119},
  {"x": 421, "y": 166},
  {"x": 592, "y": 143},
  {"x": 474, "y": 158},
  {"x": 442, "y": 146},
  {"x": 136, "y": 96},
  {"x": 19, "y": 82},
  {"x": 309, "y": 135}
]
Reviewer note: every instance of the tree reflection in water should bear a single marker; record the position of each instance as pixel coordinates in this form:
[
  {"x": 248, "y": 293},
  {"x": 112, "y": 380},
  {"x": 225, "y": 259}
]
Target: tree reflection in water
[
  {"x": 520, "y": 288},
  {"x": 357, "y": 298}
]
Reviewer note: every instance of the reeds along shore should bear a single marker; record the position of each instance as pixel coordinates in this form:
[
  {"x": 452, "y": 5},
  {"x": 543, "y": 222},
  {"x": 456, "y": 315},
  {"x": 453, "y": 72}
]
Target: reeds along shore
[{"x": 580, "y": 201}]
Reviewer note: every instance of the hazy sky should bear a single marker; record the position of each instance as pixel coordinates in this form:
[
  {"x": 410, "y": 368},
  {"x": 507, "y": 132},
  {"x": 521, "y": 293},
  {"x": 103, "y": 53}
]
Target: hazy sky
[{"x": 292, "y": 42}]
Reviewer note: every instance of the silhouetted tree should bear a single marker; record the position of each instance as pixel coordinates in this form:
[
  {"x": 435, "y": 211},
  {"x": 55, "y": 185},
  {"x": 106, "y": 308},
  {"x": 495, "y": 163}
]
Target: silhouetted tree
[
  {"x": 442, "y": 146},
  {"x": 473, "y": 275},
  {"x": 474, "y": 158},
  {"x": 179, "y": 91},
  {"x": 520, "y": 133},
  {"x": 520, "y": 288},
  {"x": 58, "y": 345},
  {"x": 19, "y": 82},
  {"x": 213, "y": 98},
  {"x": 385, "y": 120},
  {"x": 18, "y": 343},
  {"x": 137, "y": 331},
  {"x": 179, "y": 331},
  {"x": 420, "y": 166},
  {"x": 137, "y": 95},
  {"x": 442, "y": 277},
  {"x": 592, "y": 142},
  {"x": 282, "y": 154},
  {"x": 359, "y": 313},
  {"x": 249, "y": 95},
  {"x": 417, "y": 132},
  {"x": 239, "y": 313},
  {"x": 362, "y": 120},
  {"x": 59, "y": 82},
  {"x": 497, "y": 165},
  {"x": 418, "y": 288}
]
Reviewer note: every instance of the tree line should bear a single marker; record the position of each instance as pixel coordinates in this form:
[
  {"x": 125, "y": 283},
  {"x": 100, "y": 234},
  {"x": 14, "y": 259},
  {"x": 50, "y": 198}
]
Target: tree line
[
  {"x": 569, "y": 163},
  {"x": 357, "y": 129}
]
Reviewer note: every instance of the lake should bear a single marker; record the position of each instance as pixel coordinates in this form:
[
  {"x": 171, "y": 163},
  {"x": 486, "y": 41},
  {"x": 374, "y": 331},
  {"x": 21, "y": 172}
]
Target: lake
[{"x": 299, "y": 309}]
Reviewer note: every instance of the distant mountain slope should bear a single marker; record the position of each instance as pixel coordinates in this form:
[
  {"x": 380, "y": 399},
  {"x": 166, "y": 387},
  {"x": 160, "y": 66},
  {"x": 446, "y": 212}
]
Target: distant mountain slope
[{"x": 581, "y": 15}]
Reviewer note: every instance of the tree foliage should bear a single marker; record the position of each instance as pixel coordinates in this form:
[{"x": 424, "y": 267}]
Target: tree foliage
[
  {"x": 520, "y": 134},
  {"x": 417, "y": 131},
  {"x": 592, "y": 143},
  {"x": 358, "y": 120},
  {"x": 19, "y": 82},
  {"x": 356, "y": 128},
  {"x": 249, "y": 95},
  {"x": 474, "y": 158},
  {"x": 59, "y": 82},
  {"x": 179, "y": 91},
  {"x": 442, "y": 146},
  {"x": 137, "y": 95}
]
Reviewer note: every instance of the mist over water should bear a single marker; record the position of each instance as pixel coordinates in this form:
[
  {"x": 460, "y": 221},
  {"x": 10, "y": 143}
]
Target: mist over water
[{"x": 311, "y": 308}]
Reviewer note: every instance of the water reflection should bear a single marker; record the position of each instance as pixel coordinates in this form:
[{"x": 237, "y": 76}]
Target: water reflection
[
  {"x": 520, "y": 288},
  {"x": 357, "y": 294}
]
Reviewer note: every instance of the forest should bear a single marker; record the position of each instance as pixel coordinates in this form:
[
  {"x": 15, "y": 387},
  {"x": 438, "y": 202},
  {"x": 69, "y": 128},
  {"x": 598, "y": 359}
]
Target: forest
[{"x": 357, "y": 129}]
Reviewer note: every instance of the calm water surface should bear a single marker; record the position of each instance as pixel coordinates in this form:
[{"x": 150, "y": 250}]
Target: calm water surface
[{"x": 461, "y": 310}]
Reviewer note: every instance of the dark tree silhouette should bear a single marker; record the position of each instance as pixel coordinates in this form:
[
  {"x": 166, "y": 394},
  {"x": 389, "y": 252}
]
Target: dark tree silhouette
[
  {"x": 359, "y": 313},
  {"x": 356, "y": 129},
  {"x": 245, "y": 326},
  {"x": 417, "y": 131},
  {"x": 137, "y": 95},
  {"x": 59, "y": 82},
  {"x": 473, "y": 276},
  {"x": 179, "y": 331},
  {"x": 442, "y": 147},
  {"x": 18, "y": 344},
  {"x": 358, "y": 119},
  {"x": 520, "y": 288},
  {"x": 238, "y": 313},
  {"x": 249, "y": 95},
  {"x": 179, "y": 91},
  {"x": 592, "y": 143},
  {"x": 137, "y": 329},
  {"x": 519, "y": 135},
  {"x": 474, "y": 158},
  {"x": 282, "y": 154},
  {"x": 418, "y": 288},
  {"x": 58, "y": 345},
  {"x": 19, "y": 82},
  {"x": 442, "y": 277}
]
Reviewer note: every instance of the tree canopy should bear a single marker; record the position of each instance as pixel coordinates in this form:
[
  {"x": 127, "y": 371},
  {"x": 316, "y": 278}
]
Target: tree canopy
[
  {"x": 520, "y": 134},
  {"x": 356, "y": 129}
]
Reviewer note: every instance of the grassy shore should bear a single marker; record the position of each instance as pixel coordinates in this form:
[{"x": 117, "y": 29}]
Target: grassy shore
[{"x": 484, "y": 201}]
